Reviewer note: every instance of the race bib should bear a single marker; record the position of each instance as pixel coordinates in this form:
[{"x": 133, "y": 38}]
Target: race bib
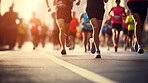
[
  {"x": 117, "y": 17},
  {"x": 88, "y": 25},
  {"x": 61, "y": 4}
]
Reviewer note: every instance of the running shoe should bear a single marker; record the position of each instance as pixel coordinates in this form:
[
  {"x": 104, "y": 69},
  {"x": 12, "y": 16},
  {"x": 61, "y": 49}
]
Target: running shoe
[
  {"x": 34, "y": 48},
  {"x": 140, "y": 50},
  {"x": 132, "y": 50},
  {"x": 93, "y": 49},
  {"x": 63, "y": 52},
  {"x": 125, "y": 48},
  {"x": 135, "y": 45},
  {"x": 98, "y": 54},
  {"x": 108, "y": 49},
  {"x": 88, "y": 47},
  {"x": 71, "y": 48},
  {"x": 68, "y": 42},
  {"x": 115, "y": 46}
]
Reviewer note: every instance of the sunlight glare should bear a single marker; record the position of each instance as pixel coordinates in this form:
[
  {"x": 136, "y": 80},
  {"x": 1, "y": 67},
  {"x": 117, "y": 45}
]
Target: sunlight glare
[{"x": 31, "y": 6}]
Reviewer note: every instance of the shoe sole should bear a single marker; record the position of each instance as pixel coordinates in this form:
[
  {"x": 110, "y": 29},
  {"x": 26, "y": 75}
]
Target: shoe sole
[
  {"x": 141, "y": 51},
  {"x": 64, "y": 53},
  {"x": 98, "y": 56}
]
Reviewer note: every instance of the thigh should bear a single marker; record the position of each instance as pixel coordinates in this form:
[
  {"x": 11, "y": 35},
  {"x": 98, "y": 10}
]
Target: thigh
[{"x": 60, "y": 23}]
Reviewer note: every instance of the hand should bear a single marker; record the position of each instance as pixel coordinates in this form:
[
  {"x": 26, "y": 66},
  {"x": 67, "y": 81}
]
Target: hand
[
  {"x": 78, "y": 2},
  {"x": 49, "y": 9},
  {"x": 105, "y": 1}
]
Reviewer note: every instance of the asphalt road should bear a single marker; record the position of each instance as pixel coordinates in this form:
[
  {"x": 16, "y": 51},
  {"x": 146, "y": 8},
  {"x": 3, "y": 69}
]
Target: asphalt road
[{"x": 45, "y": 65}]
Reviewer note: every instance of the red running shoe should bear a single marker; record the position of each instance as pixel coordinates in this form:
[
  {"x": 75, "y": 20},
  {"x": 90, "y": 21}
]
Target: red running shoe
[{"x": 115, "y": 46}]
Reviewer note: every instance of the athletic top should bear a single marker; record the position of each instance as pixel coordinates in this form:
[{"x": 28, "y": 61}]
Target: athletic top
[
  {"x": 44, "y": 29},
  {"x": 34, "y": 24},
  {"x": 21, "y": 28},
  {"x": 125, "y": 26},
  {"x": 94, "y": 3},
  {"x": 137, "y": 0},
  {"x": 107, "y": 26},
  {"x": 9, "y": 20},
  {"x": 73, "y": 25},
  {"x": 63, "y": 3},
  {"x": 108, "y": 23},
  {"x": 116, "y": 18},
  {"x": 86, "y": 21},
  {"x": 130, "y": 21}
]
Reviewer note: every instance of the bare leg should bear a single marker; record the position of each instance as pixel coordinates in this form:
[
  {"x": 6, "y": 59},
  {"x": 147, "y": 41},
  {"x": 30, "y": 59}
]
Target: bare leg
[
  {"x": 138, "y": 28},
  {"x": 85, "y": 40},
  {"x": 67, "y": 29},
  {"x": 61, "y": 26},
  {"x": 114, "y": 36},
  {"x": 96, "y": 24},
  {"x": 117, "y": 36}
]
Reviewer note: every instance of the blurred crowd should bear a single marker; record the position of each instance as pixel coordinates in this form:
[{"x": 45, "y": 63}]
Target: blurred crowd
[{"x": 14, "y": 32}]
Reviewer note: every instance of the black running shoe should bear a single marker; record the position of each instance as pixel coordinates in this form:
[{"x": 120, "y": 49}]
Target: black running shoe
[
  {"x": 98, "y": 54},
  {"x": 63, "y": 52},
  {"x": 140, "y": 50}
]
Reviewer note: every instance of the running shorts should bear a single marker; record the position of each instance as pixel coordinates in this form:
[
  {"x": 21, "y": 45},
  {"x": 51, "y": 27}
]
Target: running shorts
[
  {"x": 109, "y": 32},
  {"x": 64, "y": 13},
  {"x": 72, "y": 34},
  {"x": 86, "y": 30},
  {"x": 130, "y": 33},
  {"x": 125, "y": 31},
  {"x": 139, "y": 7},
  {"x": 96, "y": 11},
  {"x": 117, "y": 26}
]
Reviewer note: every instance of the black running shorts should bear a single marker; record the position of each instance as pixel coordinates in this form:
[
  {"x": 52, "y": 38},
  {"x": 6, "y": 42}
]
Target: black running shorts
[
  {"x": 130, "y": 33},
  {"x": 139, "y": 7},
  {"x": 95, "y": 9},
  {"x": 117, "y": 26}
]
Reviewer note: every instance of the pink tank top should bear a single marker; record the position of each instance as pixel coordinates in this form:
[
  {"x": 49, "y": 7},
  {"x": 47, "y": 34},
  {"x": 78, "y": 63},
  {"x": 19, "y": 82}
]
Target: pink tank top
[{"x": 116, "y": 18}]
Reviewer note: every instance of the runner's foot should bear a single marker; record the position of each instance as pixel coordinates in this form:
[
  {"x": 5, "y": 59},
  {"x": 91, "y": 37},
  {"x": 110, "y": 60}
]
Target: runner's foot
[
  {"x": 93, "y": 49},
  {"x": 116, "y": 47},
  {"x": 135, "y": 45},
  {"x": 98, "y": 54},
  {"x": 140, "y": 50},
  {"x": 63, "y": 52}
]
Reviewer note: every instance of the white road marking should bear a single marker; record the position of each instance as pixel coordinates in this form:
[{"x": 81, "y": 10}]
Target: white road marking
[
  {"x": 96, "y": 78},
  {"x": 3, "y": 52}
]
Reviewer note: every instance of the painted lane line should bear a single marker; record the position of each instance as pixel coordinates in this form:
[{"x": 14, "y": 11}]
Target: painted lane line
[
  {"x": 96, "y": 78},
  {"x": 3, "y": 53}
]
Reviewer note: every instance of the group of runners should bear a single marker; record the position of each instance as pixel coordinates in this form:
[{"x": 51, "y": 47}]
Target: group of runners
[{"x": 95, "y": 12}]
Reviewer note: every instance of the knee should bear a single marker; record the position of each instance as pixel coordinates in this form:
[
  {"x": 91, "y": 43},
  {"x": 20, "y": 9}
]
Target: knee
[
  {"x": 61, "y": 30},
  {"x": 96, "y": 31}
]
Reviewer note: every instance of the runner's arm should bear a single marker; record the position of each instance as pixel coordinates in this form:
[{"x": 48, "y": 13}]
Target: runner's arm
[
  {"x": 110, "y": 11},
  {"x": 78, "y": 2},
  {"x": 47, "y": 3},
  {"x": 80, "y": 19},
  {"x": 124, "y": 13}
]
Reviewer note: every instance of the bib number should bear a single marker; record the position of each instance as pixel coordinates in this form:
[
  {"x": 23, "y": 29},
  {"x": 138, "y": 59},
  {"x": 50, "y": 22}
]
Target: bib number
[
  {"x": 117, "y": 17},
  {"x": 88, "y": 25}
]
